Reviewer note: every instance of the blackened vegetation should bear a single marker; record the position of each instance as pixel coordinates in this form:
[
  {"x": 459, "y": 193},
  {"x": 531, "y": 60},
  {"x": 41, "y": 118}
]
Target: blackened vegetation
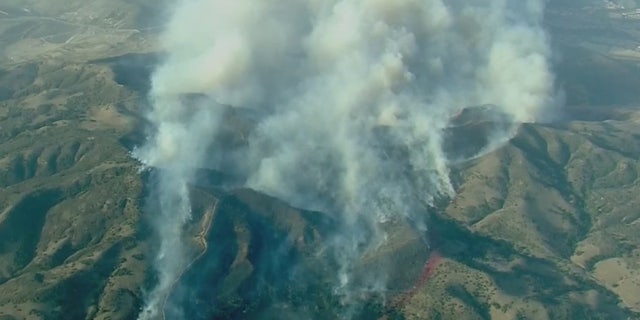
[
  {"x": 266, "y": 260},
  {"x": 257, "y": 266}
]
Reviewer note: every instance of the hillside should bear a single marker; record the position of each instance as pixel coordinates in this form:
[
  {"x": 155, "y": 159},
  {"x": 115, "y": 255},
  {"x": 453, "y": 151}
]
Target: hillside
[{"x": 545, "y": 227}]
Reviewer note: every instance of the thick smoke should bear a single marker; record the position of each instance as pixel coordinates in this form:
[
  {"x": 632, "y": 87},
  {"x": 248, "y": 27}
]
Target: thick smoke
[{"x": 353, "y": 97}]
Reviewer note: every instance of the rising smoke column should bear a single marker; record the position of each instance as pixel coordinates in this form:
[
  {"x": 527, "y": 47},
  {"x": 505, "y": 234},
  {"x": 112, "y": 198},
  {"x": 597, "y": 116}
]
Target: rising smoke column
[{"x": 354, "y": 96}]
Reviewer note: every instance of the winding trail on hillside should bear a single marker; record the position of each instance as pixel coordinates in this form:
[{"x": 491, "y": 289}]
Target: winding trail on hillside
[{"x": 201, "y": 238}]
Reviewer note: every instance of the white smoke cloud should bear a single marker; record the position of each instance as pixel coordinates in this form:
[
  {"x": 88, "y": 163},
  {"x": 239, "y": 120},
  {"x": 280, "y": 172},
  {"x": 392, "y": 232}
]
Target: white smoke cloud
[{"x": 354, "y": 96}]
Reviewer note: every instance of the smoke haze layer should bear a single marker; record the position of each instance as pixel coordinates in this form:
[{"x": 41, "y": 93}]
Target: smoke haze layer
[{"x": 353, "y": 97}]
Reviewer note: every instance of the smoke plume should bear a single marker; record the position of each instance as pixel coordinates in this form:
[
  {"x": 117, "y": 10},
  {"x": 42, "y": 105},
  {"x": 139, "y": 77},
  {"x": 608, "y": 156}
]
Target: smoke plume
[{"x": 352, "y": 99}]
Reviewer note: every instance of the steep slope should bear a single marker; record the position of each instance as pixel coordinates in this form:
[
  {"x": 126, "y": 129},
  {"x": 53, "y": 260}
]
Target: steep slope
[
  {"x": 70, "y": 195},
  {"x": 564, "y": 199},
  {"x": 70, "y": 206},
  {"x": 545, "y": 227}
]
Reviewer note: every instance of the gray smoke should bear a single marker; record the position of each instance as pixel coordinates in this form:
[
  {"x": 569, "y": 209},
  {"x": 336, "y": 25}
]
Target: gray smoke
[
  {"x": 354, "y": 96},
  {"x": 627, "y": 4}
]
